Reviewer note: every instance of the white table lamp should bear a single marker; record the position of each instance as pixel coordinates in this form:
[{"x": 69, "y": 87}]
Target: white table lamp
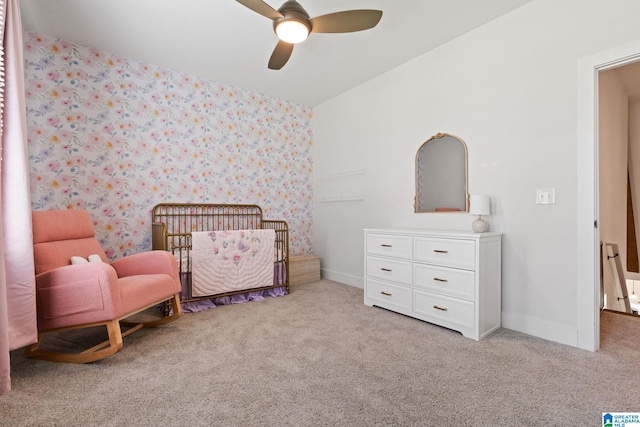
[{"x": 479, "y": 205}]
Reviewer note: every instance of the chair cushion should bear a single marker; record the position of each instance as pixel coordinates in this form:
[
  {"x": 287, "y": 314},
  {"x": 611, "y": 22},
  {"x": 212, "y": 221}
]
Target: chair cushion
[
  {"x": 50, "y": 255},
  {"x": 60, "y": 234},
  {"x": 50, "y": 226},
  {"x": 144, "y": 290}
]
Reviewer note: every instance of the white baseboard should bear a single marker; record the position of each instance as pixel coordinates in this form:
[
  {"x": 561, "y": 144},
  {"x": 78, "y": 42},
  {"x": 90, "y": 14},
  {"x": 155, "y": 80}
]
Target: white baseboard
[
  {"x": 347, "y": 279},
  {"x": 541, "y": 329}
]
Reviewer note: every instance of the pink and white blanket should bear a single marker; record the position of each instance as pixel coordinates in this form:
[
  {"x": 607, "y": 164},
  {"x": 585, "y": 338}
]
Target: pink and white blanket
[{"x": 233, "y": 260}]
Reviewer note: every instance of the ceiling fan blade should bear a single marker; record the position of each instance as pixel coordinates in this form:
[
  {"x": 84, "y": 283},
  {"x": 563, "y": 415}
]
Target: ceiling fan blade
[
  {"x": 262, "y": 8},
  {"x": 280, "y": 55},
  {"x": 346, "y": 22}
]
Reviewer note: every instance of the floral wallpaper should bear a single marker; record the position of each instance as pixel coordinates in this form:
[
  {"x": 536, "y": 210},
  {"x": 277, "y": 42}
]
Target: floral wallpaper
[{"x": 117, "y": 136}]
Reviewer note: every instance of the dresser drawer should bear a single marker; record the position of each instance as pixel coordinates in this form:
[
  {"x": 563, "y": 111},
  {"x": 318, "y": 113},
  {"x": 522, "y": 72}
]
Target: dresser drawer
[
  {"x": 444, "y": 310},
  {"x": 388, "y": 295},
  {"x": 456, "y": 253},
  {"x": 395, "y": 270},
  {"x": 452, "y": 282},
  {"x": 389, "y": 245}
]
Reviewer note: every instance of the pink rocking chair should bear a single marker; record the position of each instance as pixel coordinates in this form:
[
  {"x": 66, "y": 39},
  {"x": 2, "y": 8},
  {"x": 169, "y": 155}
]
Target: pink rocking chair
[{"x": 94, "y": 293}]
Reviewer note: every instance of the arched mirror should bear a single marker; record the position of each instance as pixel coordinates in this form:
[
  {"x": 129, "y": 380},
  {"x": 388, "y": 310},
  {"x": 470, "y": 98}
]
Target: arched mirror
[{"x": 441, "y": 175}]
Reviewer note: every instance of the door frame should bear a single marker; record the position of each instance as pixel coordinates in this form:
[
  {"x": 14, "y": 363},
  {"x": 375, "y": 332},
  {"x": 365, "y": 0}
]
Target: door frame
[{"x": 588, "y": 235}]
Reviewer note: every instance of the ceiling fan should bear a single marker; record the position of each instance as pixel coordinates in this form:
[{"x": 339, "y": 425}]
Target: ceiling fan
[{"x": 293, "y": 25}]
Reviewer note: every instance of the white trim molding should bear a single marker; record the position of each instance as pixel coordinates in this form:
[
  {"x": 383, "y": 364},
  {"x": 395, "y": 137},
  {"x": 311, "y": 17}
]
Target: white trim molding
[
  {"x": 588, "y": 236},
  {"x": 540, "y": 328}
]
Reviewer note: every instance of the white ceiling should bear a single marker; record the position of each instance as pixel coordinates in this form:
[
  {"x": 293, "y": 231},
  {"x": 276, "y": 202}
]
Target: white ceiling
[{"x": 223, "y": 41}]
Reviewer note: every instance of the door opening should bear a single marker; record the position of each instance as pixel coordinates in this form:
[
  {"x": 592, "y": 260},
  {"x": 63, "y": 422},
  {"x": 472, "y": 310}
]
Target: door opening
[{"x": 588, "y": 233}]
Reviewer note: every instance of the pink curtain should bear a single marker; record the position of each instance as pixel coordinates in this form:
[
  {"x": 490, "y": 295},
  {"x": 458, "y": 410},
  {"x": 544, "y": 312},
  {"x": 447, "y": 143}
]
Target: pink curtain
[{"x": 18, "y": 325}]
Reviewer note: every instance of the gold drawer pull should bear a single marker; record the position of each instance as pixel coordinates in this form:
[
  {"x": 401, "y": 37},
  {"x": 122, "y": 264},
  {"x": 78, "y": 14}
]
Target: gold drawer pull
[
  {"x": 440, "y": 251},
  {"x": 386, "y": 269},
  {"x": 439, "y": 308},
  {"x": 437, "y": 279},
  {"x": 386, "y": 294},
  {"x": 386, "y": 246}
]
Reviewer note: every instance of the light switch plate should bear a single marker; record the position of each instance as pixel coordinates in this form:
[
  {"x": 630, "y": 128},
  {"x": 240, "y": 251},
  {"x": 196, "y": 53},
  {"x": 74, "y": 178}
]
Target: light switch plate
[{"x": 546, "y": 196}]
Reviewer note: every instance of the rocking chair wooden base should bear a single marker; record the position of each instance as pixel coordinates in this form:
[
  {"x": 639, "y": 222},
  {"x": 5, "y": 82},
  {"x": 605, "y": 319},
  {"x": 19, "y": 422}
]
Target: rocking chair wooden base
[{"x": 108, "y": 347}]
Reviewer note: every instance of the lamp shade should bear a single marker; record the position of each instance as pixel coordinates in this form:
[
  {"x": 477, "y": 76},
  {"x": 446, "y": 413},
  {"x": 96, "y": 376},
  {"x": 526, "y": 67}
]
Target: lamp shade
[
  {"x": 479, "y": 205},
  {"x": 292, "y": 31}
]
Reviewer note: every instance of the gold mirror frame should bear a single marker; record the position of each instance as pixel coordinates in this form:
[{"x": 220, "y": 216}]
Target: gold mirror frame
[{"x": 442, "y": 175}]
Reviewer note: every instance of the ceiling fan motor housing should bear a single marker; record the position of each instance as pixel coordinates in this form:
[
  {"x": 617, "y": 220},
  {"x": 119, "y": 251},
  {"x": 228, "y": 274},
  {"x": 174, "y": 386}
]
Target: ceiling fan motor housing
[{"x": 292, "y": 11}]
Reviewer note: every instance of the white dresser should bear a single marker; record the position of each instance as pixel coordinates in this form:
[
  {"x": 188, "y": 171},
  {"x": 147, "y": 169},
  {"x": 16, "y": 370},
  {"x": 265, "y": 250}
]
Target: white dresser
[{"x": 449, "y": 278}]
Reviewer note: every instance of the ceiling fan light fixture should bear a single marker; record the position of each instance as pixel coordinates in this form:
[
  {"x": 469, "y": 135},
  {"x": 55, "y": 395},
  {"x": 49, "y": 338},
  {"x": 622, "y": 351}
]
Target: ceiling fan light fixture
[
  {"x": 292, "y": 31},
  {"x": 292, "y": 24}
]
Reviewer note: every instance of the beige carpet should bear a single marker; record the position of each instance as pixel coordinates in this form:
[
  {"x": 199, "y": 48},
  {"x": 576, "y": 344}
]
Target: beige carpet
[
  {"x": 620, "y": 333},
  {"x": 320, "y": 357}
]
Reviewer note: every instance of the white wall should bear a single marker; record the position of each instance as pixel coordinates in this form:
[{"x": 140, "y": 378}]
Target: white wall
[
  {"x": 509, "y": 89},
  {"x": 634, "y": 169},
  {"x": 613, "y": 113}
]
